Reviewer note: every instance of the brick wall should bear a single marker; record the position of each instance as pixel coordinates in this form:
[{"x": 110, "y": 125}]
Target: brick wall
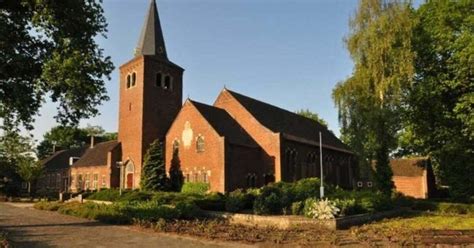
[
  {"x": 185, "y": 129},
  {"x": 269, "y": 141},
  {"x": 411, "y": 186},
  {"x": 146, "y": 110}
]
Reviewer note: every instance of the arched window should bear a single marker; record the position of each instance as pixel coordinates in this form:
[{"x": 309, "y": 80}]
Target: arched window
[
  {"x": 129, "y": 81},
  {"x": 159, "y": 79},
  {"x": 200, "y": 144},
  {"x": 175, "y": 146},
  {"x": 167, "y": 85},
  {"x": 134, "y": 79}
]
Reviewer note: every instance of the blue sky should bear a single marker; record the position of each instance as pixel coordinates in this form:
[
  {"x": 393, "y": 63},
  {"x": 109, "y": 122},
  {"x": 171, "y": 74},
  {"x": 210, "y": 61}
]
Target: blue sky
[{"x": 289, "y": 53}]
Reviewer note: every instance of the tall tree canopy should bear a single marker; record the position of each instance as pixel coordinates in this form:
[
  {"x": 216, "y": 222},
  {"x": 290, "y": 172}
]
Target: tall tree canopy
[
  {"x": 65, "y": 137},
  {"x": 154, "y": 171},
  {"x": 369, "y": 101},
  {"x": 312, "y": 115},
  {"x": 439, "y": 108},
  {"x": 48, "y": 48}
]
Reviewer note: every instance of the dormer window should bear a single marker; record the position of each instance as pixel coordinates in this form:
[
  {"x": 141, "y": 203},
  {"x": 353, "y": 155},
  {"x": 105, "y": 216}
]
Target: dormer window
[{"x": 159, "y": 80}]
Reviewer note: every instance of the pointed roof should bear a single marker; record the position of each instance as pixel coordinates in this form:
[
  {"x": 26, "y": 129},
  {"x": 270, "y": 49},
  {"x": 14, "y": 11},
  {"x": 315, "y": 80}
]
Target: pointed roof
[
  {"x": 279, "y": 120},
  {"x": 151, "y": 40},
  {"x": 224, "y": 124}
]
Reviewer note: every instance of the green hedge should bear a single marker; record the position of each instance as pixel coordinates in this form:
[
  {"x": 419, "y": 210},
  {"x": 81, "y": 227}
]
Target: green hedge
[
  {"x": 195, "y": 188},
  {"x": 125, "y": 212},
  {"x": 443, "y": 207}
]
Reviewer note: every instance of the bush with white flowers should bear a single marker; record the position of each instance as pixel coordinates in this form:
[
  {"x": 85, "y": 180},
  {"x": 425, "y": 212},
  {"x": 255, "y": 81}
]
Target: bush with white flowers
[{"x": 320, "y": 209}]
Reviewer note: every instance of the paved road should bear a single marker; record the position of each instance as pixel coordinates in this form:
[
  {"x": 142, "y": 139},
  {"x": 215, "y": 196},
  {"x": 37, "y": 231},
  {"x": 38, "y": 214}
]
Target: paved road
[{"x": 28, "y": 227}]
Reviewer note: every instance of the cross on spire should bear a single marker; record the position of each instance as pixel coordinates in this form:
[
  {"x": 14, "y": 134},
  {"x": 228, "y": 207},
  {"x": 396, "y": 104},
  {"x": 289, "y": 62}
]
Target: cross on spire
[{"x": 151, "y": 40}]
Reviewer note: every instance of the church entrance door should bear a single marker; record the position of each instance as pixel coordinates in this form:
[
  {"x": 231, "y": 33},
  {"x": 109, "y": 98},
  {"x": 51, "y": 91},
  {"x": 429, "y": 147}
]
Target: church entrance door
[{"x": 129, "y": 180}]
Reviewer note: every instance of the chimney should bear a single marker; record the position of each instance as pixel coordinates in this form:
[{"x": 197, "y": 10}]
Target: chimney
[{"x": 92, "y": 141}]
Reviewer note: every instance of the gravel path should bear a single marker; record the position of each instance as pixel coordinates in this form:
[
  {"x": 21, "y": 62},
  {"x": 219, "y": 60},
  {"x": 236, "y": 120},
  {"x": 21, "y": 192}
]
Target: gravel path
[{"x": 28, "y": 227}]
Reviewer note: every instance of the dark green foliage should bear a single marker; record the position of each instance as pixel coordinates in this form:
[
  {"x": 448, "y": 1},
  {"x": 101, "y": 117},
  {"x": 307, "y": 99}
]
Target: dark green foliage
[
  {"x": 308, "y": 187},
  {"x": 195, "y": 188},
  {"x": 239, "y": 200},
  {"x": 154, "y": 171},
  {"x": 272, "y": 200},
  {"x": 176, "y": 175},
  {"x": 212, "y": 202},
  {"x": 49, "y": 48},
  {"x": 439, "y": 106}
]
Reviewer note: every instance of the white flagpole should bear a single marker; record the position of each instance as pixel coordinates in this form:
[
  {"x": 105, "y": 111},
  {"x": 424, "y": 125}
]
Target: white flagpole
[{"x": 321, "y": 189}]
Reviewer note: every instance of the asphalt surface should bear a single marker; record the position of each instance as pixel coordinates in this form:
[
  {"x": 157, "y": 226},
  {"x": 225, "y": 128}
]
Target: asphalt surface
[{"x": 28, "y": 227}]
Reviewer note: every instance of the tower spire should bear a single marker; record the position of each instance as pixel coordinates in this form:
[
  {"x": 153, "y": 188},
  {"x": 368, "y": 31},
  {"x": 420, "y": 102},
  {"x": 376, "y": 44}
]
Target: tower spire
[{"x": 151, "y": 40}]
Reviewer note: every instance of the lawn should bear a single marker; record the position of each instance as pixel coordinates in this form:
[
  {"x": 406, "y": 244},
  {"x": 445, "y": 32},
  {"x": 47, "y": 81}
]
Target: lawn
[{"x": 429, "y": 221}]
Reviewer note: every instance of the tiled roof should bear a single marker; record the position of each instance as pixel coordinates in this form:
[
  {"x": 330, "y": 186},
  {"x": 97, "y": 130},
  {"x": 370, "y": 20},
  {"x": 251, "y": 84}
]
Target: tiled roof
[
  {"x": 97, "y": 155},
  {"x": 60, "y": 159},
  {"x": 409, "y": 167},
  {"x": 224, "y": 124},
  {"x": 283, "y": 121}
]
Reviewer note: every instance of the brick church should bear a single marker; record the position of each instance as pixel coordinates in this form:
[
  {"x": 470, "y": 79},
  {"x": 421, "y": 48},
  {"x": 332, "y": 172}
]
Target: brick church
[{"x": 238, "y": 142}]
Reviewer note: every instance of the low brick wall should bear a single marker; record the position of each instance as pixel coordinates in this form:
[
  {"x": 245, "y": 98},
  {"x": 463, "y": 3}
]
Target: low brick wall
[{"x": 290, "y": 221}]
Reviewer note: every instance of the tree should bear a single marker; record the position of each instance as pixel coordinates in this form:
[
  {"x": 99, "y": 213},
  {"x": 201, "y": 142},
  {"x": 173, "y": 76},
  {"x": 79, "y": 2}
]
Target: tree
[
  {"x": 66, "y": 137},
  {"x": 439, "y": 107},
  {"x": 61, "y": 137},
  {"x": 154, "y": 171},
  {"x": 369, "y": 101},
  {"x": 312, "y": 115},
  {"x": 48, "y": 48},
  {"x": 29, "y": 170},
  {"x": 15, "y": 152},
  {"x": 176, "y": 174}
]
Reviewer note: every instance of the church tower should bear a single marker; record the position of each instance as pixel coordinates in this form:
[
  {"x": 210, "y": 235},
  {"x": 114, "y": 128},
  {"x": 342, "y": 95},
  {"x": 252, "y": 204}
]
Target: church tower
[{"x": 151, "y": 89}]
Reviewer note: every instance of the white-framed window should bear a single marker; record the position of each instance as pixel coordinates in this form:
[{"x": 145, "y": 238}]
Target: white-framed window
[{"x": 103, "y": 184}]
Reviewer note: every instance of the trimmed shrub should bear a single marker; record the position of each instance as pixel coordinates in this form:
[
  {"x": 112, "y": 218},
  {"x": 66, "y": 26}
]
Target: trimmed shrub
[
  {"x": 424, "y": 206},
  {"x": 135, "y": 195},
  {"x": 105, "y": 195},
  {"x": 195, "y": 188},
  {"x": 306, "y": 188},
  {"x": 213, "y": 202},
  {"x": 297, "y": 208},
  {"x": 239, "y": 200},
  {"x": 46, "y": 205},
  {"x": 187, "y": 210},
  {"x": 272, "y": 200}
]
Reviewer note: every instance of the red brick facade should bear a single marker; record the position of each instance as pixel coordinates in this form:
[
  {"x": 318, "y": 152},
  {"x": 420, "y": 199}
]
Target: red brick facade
[
  {"x": 414, "y": 177},
  {"x": 239, "y": 142}
]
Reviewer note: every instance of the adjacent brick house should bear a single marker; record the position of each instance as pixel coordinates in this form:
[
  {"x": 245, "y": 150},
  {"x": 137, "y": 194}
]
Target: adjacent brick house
[
  {"x": 56, "y": 175},
  {"x": 237, "y": 143},
  {"x": 414, "y": 177},
  {"x": 97, "y": 168}
]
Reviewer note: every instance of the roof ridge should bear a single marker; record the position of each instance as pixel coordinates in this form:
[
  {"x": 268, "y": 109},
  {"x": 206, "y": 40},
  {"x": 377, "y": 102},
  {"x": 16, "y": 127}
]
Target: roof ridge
[{"x": 274, "y": 106}]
